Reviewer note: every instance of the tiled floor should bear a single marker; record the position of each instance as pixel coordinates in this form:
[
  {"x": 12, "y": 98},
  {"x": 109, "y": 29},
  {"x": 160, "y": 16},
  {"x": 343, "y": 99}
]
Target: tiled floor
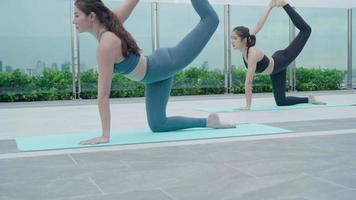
[{"x": 314, "y": 162}]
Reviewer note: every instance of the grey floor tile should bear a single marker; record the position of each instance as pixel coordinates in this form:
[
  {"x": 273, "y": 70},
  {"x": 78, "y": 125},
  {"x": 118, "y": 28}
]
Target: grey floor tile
[
  {"x": 8, "y": 146},
  {"x": 135, "y": 195},
  {"x": 345, "y": 176},
  {"x": 261, "y": 149},
  {"x": 102, "y": 160},
  {"x": 276, "y": 166},
  {"x": 192, "y": 174},
  {"x": 342, "y": 195},
  {"x": 271, "y": 188},
  {"x": 294, "y": 155},
  {"x": 302, "y": 186},
  {"x": 333, "y": 143},
  {"x": 32, "y": 168},
  {"x": 232, "y": 187},
  {"x": 114, "y": 181},
  {"x": 165, "y": 157},
  {"x": 47, "y": 189},
  {"x": 306, "y": 168},
  {"x": 149, "y": 179},
  {"x": 318, "y": 125},
  {"x": 284, "y": 149},
  {"x": 240, "y": 146}
]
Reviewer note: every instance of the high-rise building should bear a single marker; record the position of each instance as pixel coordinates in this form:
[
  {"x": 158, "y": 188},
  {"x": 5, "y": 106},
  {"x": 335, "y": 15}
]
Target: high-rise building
[
  {"x": 0, "y": 66},
  {"x": 8, "y": 68},
  {"x": 66, "y": 66},
  {"x": 40, "y": 66},
  {"x": 31, "y": 71},
  {"x": 54, "y": 67},
  {"x": 205, "y": 65}
]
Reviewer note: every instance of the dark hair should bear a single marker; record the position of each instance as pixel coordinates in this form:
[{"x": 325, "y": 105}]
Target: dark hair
[
  {"x": 244, "y": 32},
  {"x": 111, "y": 23}
]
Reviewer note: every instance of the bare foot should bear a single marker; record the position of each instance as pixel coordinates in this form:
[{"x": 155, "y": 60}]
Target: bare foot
[
  {"x": 96, "y": 140},
  {"x": 279, "y": 3},
  {"x": 246, "y": 108},
  {"x": 213, "y": 121},
  {"x": 312, "y": 100}
]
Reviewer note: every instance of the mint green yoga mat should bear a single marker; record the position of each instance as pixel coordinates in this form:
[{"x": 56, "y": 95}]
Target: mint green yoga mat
[
  {"x": 65, "y": 141},
  {"x": 231, "y": 108}
]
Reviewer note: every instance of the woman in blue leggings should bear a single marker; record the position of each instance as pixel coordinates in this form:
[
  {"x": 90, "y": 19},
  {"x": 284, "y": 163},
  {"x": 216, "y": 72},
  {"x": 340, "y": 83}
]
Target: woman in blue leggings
[
  {"x": 276, "y": 66},
  {"x": 118, "y": 53}
]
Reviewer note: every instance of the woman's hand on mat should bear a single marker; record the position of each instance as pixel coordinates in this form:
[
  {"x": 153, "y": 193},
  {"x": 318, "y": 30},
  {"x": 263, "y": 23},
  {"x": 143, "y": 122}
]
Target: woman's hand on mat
[{"x": 96, "y": 140}]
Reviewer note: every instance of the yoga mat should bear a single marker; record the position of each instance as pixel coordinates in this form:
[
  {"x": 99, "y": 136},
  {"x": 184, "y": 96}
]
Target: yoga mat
[
  {"x": 231, "y": 108},
  {"x": 65, "y": 141}
]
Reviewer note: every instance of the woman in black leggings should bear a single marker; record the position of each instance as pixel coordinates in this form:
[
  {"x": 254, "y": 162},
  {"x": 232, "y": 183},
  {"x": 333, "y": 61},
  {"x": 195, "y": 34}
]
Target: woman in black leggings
[{"x": 257, "y": 62}]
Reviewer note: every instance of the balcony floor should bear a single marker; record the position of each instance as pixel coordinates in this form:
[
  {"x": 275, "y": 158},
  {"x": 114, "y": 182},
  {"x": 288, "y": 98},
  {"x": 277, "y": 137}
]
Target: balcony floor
[{"x": 314, "y": 162}]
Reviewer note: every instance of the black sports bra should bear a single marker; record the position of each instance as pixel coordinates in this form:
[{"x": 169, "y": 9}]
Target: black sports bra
[{"x": 261, "y": 65}]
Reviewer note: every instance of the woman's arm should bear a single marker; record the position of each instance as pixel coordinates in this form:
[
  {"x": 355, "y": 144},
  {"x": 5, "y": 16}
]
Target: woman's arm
[
  {"x": 261, "y": 22},
  {"x": 106, "y": 59},
  {"x": 125, "y": 9},
  {"x": 251, "y": 62},
  {"x": 106, "y": 56}
]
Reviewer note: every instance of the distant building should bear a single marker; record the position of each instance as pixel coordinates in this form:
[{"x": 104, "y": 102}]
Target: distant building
[
  {"x": 54, "y": 67},
  {"x": 0, "y": 66},
  {"x": 9, "y": 68},
  {"x": 205, "y": 65},
  {"x": 66, "y": 66},
  {"x": 40, "y": 67},
  {"x": 31, "y": 71},
  {"x": 83, "y": 68}
]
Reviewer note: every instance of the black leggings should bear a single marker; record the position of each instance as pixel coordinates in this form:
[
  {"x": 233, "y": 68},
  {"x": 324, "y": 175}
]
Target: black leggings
[{"x": 283, "y": 58}]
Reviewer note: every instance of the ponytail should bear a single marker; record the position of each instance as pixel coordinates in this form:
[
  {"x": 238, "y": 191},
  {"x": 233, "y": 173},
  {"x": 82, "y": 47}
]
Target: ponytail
[
  {"x": 251, "y": 40},
  {"x": 244, "y": 32},
  {"x": 111, "y": 23},
  {"x": 114, "y": 25}
]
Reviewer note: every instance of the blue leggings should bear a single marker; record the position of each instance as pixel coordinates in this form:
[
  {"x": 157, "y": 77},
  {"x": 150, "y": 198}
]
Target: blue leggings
[
  {"x": 283, "y": 58},
  {"x": 164, "y": 63}
]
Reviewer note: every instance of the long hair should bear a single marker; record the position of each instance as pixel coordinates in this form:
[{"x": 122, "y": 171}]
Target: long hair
[
  {"x": 111, "y": 23},
  {"x": 244, "y": 32}
]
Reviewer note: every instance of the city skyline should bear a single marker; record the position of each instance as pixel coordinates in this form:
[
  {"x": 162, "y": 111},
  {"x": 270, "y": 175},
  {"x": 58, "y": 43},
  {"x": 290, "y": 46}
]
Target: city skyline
[{"x": 39, "y": 68}]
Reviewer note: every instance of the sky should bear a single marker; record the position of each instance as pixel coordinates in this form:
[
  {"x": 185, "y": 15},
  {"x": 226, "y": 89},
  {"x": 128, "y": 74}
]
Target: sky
[{"x": 41, "y": 30}]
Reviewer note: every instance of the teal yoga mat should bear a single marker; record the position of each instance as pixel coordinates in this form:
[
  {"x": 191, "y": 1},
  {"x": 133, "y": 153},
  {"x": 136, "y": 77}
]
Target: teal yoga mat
[
  {"x": 231, "y": 108},
  {"x": 65, "y": 141}
]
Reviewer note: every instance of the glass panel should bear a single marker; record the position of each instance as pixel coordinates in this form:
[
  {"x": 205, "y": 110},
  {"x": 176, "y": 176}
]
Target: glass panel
[
  {"x": 354, "y": 48},
  {"x": 326, "y": 50},
  {"x": 205, "y": 74},
  {"x": 35, "y": 50}
]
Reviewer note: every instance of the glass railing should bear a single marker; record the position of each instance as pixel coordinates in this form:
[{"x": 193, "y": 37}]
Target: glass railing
[
  {"x": 205, "y": 74},
  {"x": 354, "y": 48},
  {"x": 325, "y": 51},
  {"x": 35, "y": 50}
]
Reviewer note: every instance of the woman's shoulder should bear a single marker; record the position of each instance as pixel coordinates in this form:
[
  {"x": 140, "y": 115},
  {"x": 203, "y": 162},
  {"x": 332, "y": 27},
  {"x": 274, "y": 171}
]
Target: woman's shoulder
[
  {"x": 109, "y": 41},
  {"x": 255, "y": 51}
]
